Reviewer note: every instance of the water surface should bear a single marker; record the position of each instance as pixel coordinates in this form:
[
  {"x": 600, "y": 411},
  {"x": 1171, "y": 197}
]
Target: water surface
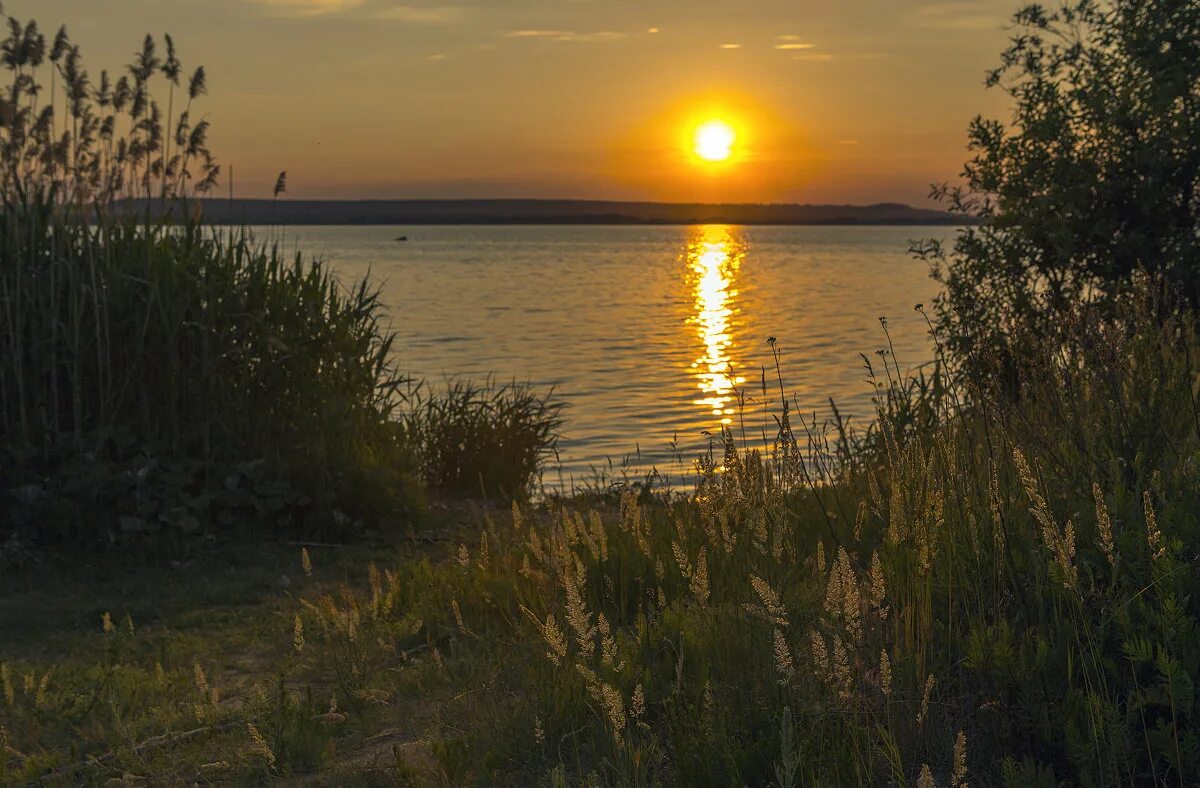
[{"x": 648, "y": 332}]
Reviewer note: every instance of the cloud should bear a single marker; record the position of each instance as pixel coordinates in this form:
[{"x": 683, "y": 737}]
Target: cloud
[
  {"x": 366, "y": 9},
  {"x": 600, "y": 36},
  {"x": 436, "y": 57},
  {"x": 311, "y": 7},
  {"x": 790, "y": 41},
  {"x": 819, "y": 57},
  {"x": 731, "y": 46},
  {"x": 420, "y": 14},
  {"x": 957, "y": 16},
  {"x": 652, "y": 30}
]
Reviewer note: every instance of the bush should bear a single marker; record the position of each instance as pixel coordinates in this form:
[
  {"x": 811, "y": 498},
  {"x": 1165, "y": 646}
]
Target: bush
[
  {"x": 1093, "y": 179},
  {"x": 485, "y": 438}
]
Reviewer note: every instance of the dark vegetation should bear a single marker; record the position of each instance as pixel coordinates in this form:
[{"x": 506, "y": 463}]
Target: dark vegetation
[
  {"x": 996, "y": 584},
  {"x": 176, "y": 381}
]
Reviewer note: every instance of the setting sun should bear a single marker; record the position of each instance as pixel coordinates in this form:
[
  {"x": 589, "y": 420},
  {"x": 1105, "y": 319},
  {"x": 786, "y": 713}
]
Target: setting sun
[{"x": 714, "y": 141}]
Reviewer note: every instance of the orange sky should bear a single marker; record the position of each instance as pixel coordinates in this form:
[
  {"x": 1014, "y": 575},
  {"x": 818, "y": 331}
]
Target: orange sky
[{"x": 850, "y": 101}]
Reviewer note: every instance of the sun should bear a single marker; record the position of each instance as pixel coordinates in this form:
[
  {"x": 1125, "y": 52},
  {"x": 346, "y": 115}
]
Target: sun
[{"x": 714, "y": 141}]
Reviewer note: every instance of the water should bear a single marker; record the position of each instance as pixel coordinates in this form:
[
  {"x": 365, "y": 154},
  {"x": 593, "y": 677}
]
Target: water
[{"x": 647, "y": 332}]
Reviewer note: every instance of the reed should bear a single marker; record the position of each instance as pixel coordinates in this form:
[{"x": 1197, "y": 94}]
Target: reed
[
  {"x": 130, "y": 342},
  {"x": 484, "y": 438}
]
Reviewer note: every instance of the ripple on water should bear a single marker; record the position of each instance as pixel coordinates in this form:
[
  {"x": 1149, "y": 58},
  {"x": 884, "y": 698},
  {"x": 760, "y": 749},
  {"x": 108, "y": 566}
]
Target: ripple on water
[{"x": 647, "y": 332}]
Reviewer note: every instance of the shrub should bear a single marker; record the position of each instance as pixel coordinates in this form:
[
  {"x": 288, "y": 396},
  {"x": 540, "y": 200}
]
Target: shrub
[
  {"x": 484, "y": 438},
  {"x": 1092, "y": 179}
]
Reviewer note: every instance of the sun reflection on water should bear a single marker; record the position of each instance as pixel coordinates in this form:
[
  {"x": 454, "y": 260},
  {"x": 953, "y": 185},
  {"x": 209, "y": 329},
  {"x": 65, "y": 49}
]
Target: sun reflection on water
[{"x": 714, "y": 256}]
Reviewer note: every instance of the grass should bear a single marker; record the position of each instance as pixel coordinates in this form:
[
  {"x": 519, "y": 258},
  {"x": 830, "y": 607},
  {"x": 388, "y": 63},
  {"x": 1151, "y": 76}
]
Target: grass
[
  {"x": 485, "y": 438},
  {"x": 166, "y": 379},
  {"x": 1000, "y": 594}
]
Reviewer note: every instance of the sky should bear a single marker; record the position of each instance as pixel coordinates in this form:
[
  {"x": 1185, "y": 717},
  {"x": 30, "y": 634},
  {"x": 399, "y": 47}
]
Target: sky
[{"x": 833, "y": 101}]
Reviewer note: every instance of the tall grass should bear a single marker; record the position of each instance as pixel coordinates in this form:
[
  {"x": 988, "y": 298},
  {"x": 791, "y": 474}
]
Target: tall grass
[
  {"x": 1002, "y": 594},
  {"x": 129, "y": 344},
  {"x": 484, "y": 438}
]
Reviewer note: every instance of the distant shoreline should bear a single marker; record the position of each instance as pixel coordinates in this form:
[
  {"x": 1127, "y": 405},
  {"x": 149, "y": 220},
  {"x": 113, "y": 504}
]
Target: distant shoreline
[{"x": 545, "y": 212}]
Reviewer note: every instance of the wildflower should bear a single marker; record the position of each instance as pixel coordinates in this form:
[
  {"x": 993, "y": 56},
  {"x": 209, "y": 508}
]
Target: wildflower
[
  {"x": 551, "y": 633},
  {"x": 772, "y": 608},
  {"x": 106, "y": 623},
  {"x": 609, "y": 698},
  {"x": 305, "y": 562},
  {"x": 841, "y": 668},
  {"x": 1061, "y": 543},
  {"x": 458, "y": 619},
  {"x": 637, "y": 706},
  {"x": 820, "y": 653},
  {"x": 878, "y": 588},
  {"x": 1153, "y": 535},
  {"x": 998, "y": 540},
  {"x": 484, "y": 557},
  {"x": 958, "y": 778},
  {"x": 39, "y": 699},
  {"x": 6, "y": 681},
  {"x": 129, "y": 623},
  {"x": 260, "y": 746},
  {"x": 298, "y": 635},
  {"x": 699, "y": 580},
  {"x": 841, "y": 596},
  {"x": 539, "y": 735},
  {"x": 608, "y": 645},
  {"x": 333, "y": 715},
  {"x": 464, "y": 555},
  {"x": 929, "y": 682},
  {"x": 578, "y": 617},
  {"x": 1104, "y": 526},
  {"x": 885, "y": 674},
  {"x": 783, "y": 658},
  {"x": 926, "y": 778},
  {"x": 201, "y": 680}
]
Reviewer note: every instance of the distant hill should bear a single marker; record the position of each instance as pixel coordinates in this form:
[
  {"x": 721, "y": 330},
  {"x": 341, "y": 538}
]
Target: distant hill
[{"x": 405, "y": 212}]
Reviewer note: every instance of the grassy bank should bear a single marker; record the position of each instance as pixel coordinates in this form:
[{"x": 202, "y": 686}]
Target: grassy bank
[{"x": 1000, "y": 594}]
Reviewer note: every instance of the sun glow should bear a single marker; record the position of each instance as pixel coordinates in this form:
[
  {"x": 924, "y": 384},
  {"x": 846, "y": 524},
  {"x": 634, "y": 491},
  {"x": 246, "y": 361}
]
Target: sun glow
[{"x": 714, "y": 141}]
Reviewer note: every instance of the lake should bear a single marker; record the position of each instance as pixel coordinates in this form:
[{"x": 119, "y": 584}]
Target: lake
[{"x": 647, "y": 332}]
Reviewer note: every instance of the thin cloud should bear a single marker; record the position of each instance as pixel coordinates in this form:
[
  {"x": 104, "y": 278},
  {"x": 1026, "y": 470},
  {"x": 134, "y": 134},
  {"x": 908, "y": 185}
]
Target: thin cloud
[
  {"x": 791, "y": 46},
  {"x": 600, "y": 36},
  {"x": 367, "y": 10},
  {"x": 731, "y": 46},
  {"x": 311, "y": 7},
  {"x": 421, "y": 14},
  {"x": 956, "y": 16}
]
